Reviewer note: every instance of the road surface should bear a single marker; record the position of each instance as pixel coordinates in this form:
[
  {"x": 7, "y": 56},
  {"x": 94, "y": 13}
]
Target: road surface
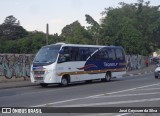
[{"x": 135, "y": 91}]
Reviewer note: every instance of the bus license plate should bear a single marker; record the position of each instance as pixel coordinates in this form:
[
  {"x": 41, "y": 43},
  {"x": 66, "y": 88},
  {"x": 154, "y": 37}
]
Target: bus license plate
[{"x": 38, "y": 76}]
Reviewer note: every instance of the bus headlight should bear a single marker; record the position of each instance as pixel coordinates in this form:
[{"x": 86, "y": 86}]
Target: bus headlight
[
  {"x": 47, "y": 72},
  {"x": 50, "y": 78}
]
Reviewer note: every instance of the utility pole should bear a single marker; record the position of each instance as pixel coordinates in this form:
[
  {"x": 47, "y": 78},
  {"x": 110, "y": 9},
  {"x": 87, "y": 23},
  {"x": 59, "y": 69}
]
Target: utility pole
[
  {"x": 47, "y": 33},
  {"x": 97, "y": 41}
]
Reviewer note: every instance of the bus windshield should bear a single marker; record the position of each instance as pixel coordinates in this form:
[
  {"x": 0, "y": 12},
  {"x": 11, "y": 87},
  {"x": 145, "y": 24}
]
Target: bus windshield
[{"x": 47, "y": 54}]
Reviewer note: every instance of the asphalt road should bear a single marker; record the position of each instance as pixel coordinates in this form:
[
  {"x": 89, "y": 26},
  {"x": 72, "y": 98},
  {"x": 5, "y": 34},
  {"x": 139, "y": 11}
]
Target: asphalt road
[{"x": 136, "y": 91}]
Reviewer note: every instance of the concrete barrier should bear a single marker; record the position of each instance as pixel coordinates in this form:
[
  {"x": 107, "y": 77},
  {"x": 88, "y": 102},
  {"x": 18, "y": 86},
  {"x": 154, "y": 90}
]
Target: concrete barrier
[
  {"x": 16, "y": 67},
  {"x": 135, "y": 62}
]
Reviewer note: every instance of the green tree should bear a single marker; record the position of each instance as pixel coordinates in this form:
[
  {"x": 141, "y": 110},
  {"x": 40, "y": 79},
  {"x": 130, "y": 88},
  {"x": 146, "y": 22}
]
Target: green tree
[
  {"x": 134, "y": 26},
  {"x": 11, "y": 29},
  {"x": 75, "y": 33},
  {"x": 11, "y": 20},
  {"x": 94, "y": 29}
]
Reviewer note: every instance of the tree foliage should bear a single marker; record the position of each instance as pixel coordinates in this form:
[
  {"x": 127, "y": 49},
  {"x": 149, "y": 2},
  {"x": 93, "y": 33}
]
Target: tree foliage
[
  {"x": 134, "y": 26},
  {"x": 75, "y": 33},
  {"x": 15, "y": 39},
  {"x": 29, "y": 44},
  {"x": 11, "y": 29},
  {"x": 11, "y": 20},
  {"x": 94, "y": 29}
]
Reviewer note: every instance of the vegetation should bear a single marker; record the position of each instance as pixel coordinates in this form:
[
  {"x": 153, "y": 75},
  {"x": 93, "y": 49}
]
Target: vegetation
[
  {"x": 75, "y": 33},
  {"x": 134, "y": 26}
]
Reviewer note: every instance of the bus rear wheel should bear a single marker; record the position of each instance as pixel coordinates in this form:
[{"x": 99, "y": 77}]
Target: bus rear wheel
[
  {"x": 107, "y": 77},
  {"x": 88, "y": 81},
  {"x": 156, "y": 77}
]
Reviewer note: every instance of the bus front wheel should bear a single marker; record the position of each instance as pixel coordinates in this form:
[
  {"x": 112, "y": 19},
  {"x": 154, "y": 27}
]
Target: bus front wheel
[
  {"x": 64, "y": 81},
  {"x": 44, "y": 84}
]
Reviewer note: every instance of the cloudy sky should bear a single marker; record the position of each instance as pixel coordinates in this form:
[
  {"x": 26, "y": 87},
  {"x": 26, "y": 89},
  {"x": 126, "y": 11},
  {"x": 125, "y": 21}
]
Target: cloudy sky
[{"x": 35, "y": 14}]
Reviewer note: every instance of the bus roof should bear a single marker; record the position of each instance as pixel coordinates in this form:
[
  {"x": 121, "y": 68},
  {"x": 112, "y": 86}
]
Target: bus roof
[
  {"x": 85, "y": 45},
  {"x": 82, "y": 45}
]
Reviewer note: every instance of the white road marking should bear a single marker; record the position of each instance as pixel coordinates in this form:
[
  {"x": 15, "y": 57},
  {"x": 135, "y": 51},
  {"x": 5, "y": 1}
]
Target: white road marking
[
  {"x": 148, "y": 86},
  {"x": 127, "y": 95},
  {"x": 112, "y": 103},
  {"x": 59, "y": 102},
  {"x": 38, "y": 92},
  {"x": 150, "y": 89},
  {"x": 134, "y": 88},
  {"x": 121, "y": 91},
  {"x": 69, "y": 100},
  {"x": 124, "y": 114}
]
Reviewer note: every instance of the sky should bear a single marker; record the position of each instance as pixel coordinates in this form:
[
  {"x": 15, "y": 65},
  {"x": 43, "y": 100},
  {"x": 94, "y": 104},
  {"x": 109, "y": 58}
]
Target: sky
[{"x": 35, "y": 14}]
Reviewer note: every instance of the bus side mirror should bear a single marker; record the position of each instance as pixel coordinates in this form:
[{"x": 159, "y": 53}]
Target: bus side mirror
[{"x": 61, "y": 58}]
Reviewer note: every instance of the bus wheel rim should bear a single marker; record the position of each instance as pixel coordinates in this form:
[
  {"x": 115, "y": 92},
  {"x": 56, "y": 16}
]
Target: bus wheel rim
[
  {"x": 64, "y": 82},
  {"x": 107, "y": 77}
]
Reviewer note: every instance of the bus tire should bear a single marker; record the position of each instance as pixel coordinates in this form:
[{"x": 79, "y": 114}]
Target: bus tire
[
  {"x": 64, "y": 81},
  {"x": 88, "y": 81},
  {"x": 156, "y": 77},
  {"x": 43, "y": 84},
  {"x": 107, "y": 77}
]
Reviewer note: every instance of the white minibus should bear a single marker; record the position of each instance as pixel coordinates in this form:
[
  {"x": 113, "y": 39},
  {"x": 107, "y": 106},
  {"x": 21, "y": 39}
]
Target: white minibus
[{"x": 67, "y": 63}]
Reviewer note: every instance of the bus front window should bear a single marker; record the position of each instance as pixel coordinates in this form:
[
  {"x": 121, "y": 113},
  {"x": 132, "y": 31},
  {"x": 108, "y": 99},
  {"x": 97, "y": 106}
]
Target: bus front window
[{"x": 47, "y": 54}]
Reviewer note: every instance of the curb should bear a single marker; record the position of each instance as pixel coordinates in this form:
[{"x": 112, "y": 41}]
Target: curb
[
  {"x": 16, "y": 86},
  {"x": 136, "y": 74},
  {"x": 13, "y": 85}
]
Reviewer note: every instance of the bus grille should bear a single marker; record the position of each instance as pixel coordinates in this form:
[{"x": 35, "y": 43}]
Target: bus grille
[
  {"x": 38, "y": 75},
  {"x": 38, "y": 72},
  {"x": 38, "y": 78}
]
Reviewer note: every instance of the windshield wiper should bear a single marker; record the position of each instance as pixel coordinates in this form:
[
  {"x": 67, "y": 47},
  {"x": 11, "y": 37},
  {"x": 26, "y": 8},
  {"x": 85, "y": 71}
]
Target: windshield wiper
[{"x": 36, "y": 61}]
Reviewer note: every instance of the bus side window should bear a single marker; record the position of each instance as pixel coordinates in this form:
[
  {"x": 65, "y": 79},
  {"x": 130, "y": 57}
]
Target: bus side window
[
  {"x": 103, "y": 54},
  {"x": 84, "y": 53},
  {"x": 95, "y": 56},
  {"x": 74, "y": 54},
  {"x": 92, "y": 50},
  {"x": 111, "y": 54},
  {"x": 119, "y": 54},
  {"x": 67, "y": 53},
  {"x": 64, "y": 55}
]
